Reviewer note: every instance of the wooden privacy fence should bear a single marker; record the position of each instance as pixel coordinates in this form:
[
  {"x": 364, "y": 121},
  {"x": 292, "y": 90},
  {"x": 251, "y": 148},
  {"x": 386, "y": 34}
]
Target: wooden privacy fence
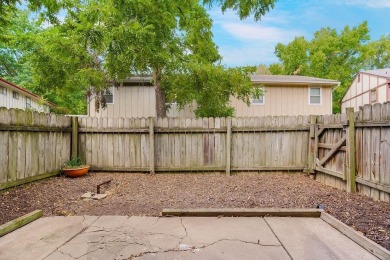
[
  {"x": 32, "y": 145},
  {"x": 354, "y": 149},
  {"x": 349, "y": 151},
  {"x": 189, "y": 144}
]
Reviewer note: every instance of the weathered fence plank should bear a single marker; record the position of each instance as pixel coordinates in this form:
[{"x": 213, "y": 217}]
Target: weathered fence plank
[
  {"x": 204, "y": 144},
  {"x": 30, "y": 150},
  {"x": 351, "y": 168}
]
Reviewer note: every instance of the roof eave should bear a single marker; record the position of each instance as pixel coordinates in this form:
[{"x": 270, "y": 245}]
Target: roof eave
[
  {"x": 24, "y": 91},
  {"x": 330, "y": 84}
]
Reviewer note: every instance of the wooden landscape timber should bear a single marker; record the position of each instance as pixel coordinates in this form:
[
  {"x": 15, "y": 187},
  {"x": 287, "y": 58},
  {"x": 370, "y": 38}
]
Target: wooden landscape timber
[
  {"x": 243, "y": 212},
  {"x": 372, "y": 247},
  {"x": 350, "y": 152},
  {"x": 19, "y": 222}
]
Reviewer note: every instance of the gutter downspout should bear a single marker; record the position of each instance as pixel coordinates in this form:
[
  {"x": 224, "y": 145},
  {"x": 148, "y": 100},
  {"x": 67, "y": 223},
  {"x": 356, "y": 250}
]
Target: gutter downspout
[{"x": 338, "y": 85}]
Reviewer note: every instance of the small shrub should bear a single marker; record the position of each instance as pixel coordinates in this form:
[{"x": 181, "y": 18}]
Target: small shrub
[{"x": 74, "y": 163}]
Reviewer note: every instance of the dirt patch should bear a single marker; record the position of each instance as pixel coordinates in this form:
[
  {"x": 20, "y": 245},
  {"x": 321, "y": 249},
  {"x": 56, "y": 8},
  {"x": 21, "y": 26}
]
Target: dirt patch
[{"x": 141, "y": 194}]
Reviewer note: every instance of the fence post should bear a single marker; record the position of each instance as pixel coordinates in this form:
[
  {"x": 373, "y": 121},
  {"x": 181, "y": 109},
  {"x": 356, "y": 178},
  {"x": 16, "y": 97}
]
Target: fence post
[
  {"x": 228, "y": 144},
  {"x": 312, "y": 147},
  {"x": 75, "y": 137},
  {"x": 351, "y": 149},
  {"x": 151, "y": 145}
]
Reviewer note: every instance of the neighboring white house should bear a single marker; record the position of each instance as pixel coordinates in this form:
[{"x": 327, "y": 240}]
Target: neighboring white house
[
  {"x": 283, "y": 95},
  {"x": 368, "y": 87},
  {"x": 13, "y": 96}
]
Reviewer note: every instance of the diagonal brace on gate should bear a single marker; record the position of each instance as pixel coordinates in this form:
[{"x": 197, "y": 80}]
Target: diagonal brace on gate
[{"x": 334, "y": 150}]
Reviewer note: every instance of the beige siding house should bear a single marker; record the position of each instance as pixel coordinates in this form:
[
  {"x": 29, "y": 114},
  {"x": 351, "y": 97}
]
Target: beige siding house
[
  {"x": 136, "y": 98},
  {"x": 368, "y": 87},
  {"x": 283, "y": 95},
  {"x": 13, "y": 96},
  {"x": 289, "y": 95}
]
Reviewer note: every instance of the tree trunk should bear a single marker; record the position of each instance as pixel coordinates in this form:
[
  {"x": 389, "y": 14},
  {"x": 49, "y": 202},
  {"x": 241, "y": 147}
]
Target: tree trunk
[{"x": 160, "y": 95}]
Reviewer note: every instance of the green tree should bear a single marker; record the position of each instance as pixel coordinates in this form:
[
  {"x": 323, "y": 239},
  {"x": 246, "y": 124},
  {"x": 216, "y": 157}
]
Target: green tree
[
  {"x": 329, "y": 54},
  {"x": 211, "y": 87},
  {"x": 377, "y": 53},
  {"x": 294, "y": 56},
  {"x": 47, "y": 8},
  {"x": 14, "y": 65},
  {"x": 244, "y": 8},
  {"x": 276, "y": 69},
  {"x": 102, "y": 41},
  {"x": 263, "y": 69}
]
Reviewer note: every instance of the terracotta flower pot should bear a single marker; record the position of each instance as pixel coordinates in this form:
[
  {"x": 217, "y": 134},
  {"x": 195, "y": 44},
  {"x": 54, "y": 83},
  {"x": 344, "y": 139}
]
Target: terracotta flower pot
[{"x": 76, "y": 172}]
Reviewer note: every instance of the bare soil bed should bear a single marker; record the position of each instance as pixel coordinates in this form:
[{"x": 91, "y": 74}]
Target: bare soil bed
[{"x": 142, "y": 194}]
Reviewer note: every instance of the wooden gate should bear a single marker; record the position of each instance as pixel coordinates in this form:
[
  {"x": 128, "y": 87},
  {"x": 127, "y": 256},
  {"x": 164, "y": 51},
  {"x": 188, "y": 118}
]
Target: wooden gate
[
  {"x": 333, "y": 149},
  {"x": 330, "y": 146}
]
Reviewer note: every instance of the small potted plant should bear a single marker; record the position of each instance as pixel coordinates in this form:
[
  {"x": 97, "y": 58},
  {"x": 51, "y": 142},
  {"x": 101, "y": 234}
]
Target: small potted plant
[{"x": 75, "y": 167}]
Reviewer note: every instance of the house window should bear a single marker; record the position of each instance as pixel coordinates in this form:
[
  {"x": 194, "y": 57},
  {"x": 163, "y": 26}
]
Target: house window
[
  {"x": 373, "y": 96},
  {"x": 108, "y": 95},
  {"x": 3, "y": 91},
  {"x": 28, "y": 102},
  {"x": 358, "y": 77},
  {"x": 258, "y": 101},
  {"x": 15, "y": 95},
  {"x": 315, "y": 96}
]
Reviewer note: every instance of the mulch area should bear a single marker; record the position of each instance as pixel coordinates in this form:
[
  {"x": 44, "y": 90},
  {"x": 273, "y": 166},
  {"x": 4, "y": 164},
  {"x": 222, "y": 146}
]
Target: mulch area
[{"x": 142, "y": 194}]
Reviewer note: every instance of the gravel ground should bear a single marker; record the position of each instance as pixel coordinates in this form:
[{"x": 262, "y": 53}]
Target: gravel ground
[{"x": 142, "y": 194}]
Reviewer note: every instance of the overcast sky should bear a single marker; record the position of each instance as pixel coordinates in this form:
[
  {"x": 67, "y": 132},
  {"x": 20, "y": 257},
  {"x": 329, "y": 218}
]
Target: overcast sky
[{"x": 251, "y": 43}]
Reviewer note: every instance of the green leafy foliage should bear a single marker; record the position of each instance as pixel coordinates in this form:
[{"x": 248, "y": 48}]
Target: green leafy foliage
[
  {"x": 13, "y": 62},
  {"x": 111, "y": 40},
  {"x": 244, "y": 8},
  {"x": 74, "y": 163},
  {"x": 377, "y": 53},
  {"x": 263, "y": 69},
  {"x": 211, "y": 87},
  {"x": 329, "y": 55}
]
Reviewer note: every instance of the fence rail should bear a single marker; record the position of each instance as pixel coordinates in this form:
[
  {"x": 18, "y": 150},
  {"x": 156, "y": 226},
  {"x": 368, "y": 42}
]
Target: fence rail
[
  {"x": 341, "y": 151},
  {"x": 183, "y": 144}
]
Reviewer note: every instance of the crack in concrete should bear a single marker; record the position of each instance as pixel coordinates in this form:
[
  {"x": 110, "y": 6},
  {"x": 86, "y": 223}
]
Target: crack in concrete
[
  {"x": 99, "y": 230},
  {"x": 63, "y": 253},
  {"x": 67, "y": 241},
  {"x": 153, "y": 252},
  {"x": 237, "y": 240},
  {"x": 92, "y": 251},
  {"x": 193, "y": 248},
  {"x": 185, "y": 229}
]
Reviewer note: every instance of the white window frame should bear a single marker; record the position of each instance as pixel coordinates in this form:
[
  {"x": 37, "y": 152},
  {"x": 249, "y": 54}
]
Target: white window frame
[
  {"x": 308, "y": 96},
  {"x": 111, "y": 89},
  {"x": 259, "y": 103},
  {"x": 28, "y": 103},
  {"x": 3, "y": 91},
  {"x": 15, "y": 95}
]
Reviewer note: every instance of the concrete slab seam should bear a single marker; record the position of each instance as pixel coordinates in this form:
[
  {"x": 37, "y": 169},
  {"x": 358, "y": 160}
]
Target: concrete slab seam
[{"x": 285, "y": 249}]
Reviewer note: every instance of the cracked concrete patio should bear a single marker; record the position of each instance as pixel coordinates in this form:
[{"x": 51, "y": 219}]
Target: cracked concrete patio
[{"x": 122, "y": 237}]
